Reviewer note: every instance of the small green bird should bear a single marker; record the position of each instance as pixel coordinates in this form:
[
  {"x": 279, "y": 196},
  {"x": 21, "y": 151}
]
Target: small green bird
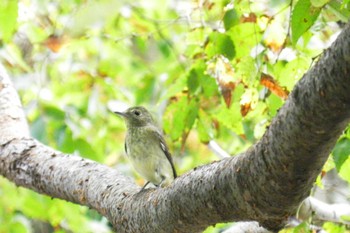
[{"x": 146, "y": 147}]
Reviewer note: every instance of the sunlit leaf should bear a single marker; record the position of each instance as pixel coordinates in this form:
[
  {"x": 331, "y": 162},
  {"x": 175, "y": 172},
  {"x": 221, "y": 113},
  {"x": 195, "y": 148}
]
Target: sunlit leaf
[
  {"x": 274, "y": 103},
  {"x": 199, "y": 79},
  {"x": 275, "y": 37},
  {"x": 269, "y": 82},
  {"x": 94, "y": 13},
  {"x": 334, "y": 228},
  {"x": 302, "y": 228},
  {"x": 224, "y": 74},
  {"x": 8, "y": 18},
  {"x": 108, "y": 67},
  {"x": 345, "y": 218},
  {"x": 319, "y": 3},
  {"x": 292, "y": 71},
  {"x": 231, "y": 118},
  {"x": 55, "y": 43},
  {"x": 231, "y": 18},
  {"x": 304, "y": 16},
  {"x": 38, "y": 130},
  {"x": 204, "y": 127},
  {"x": 18, "y": 226},
  {"x": 209, "y": 86},
  {"x": 177, "y": 86},
  {"x": 246, "y": 69},
  {"x": 248, "y": 101},
  {"x": 208, "y": 5},
  {"x": 193, "y": 81},
  {"x": 180, "y": 116},
  {"x": 147, "y": 84},
  {"x": 192, "y": 113},
  {"x": 164, "y": 48},
  {"x": 344, "y": 171},
  {"x": 339, "y": 9},
  {"x": 175, "y": 116},
  {"x": 245, "y": 36},
  {"x": 341, "y": 152},
  {"x": 250, "y": 18},
  {"x": 220, "y": 44}
]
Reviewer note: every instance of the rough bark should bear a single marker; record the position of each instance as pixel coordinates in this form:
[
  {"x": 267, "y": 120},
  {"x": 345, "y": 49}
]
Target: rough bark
[{"x": 265, "y": 184}]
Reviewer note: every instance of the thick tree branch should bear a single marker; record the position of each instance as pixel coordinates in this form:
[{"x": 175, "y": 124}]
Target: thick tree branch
[{"x": 266, "y": 184}]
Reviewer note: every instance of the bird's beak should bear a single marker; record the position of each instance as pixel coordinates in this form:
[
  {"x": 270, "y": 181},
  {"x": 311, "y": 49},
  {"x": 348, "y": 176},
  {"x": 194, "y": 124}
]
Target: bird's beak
[{"x": 120, "y": 113}]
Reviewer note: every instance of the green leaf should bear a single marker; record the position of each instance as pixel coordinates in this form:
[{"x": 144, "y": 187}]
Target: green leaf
[
  {"x": 180, "y": 117},
  {"x": 210, "y": 88},
  {"x": 8, "y": 18},
  {"x": 108, "y": 67},
  {"x": 319, "y": 3},
  {"x": 192, "y": 113},
  {"x": 274, "y": 103},
  {"x": 304, "y": 16},
  {"x": 93, "y": 13},
  {"x": 85, "y": 149},
  {"x": 303, "y": 227},
  {"x": 54, "y": 111},
  {"x": 292, "y": 72},
  {"x": 18, "y": 227},
  {"x": 339, "y": 9},
  {"x": 344, "y": 171},
  {"x": 231, "y": 18},
  {"x": 201, "y": 79},
  {"x": 341, "y": 152},
  {"x": 192, "y": 81},
  {"x": 174, "y": 122},
  {"x": 141, "y": 44},
  {"x": 38, "y": 130},
  {"x": 164, "y": 47},
  {"x": 333, "y": 227},
  {"x": 345, "y": 217},
  {"x": 66, "y": 142},
  {"x": 246, "y": 69},
  {"x": 147, "y": 85},
  {"x": 231, "y": 117},
  {"x": 178, "y": 85},
  {"x": 220, "y": 44},
  {"x": 244, "y": 36},
  {"x": 204, "y": 127}
]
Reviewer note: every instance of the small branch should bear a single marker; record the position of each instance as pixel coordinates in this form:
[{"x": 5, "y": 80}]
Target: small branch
[
  {"x": 217, "y": 149},
  {"x": 244, "y": 227},
  {"x": 319, "y": 210}
]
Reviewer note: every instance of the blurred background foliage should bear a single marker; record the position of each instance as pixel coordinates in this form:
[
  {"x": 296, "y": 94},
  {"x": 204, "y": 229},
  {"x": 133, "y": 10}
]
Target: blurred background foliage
[{"x": 212, "y": 72}]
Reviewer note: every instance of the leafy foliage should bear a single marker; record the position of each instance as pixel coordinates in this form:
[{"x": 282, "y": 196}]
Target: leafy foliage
[
  {"x": 304, "y": 16},
  {"x": 209, "y": 70}
]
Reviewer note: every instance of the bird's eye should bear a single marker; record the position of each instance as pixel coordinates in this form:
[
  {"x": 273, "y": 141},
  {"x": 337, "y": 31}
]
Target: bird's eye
[{"x": 137, "y": 112}]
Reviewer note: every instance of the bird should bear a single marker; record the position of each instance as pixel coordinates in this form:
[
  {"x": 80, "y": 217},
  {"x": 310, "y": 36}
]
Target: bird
[{"x": 146, "y": 148}]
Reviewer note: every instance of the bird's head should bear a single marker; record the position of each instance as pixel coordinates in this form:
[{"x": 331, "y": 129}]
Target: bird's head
[{"x": 136, "y": 116}]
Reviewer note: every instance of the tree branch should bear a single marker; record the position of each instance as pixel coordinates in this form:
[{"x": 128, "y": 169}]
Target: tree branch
[
  {"x": 322, "y": 211},
  {"x": 265, "y": 184}
]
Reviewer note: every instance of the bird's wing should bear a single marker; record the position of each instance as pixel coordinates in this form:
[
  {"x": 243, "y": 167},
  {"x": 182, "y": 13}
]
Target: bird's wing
[{"x": 165, "y": 149}]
